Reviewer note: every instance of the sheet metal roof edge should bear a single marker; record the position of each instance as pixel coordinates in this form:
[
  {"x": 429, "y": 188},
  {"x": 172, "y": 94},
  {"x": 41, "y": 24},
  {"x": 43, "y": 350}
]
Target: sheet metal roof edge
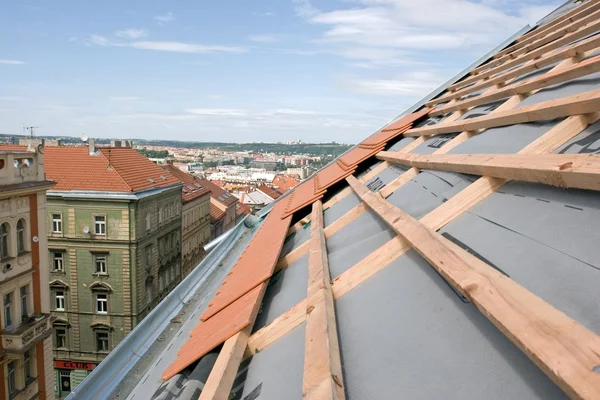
[
  {"x": 107, "y": 376},
  {"x": 462, "y": 73}
]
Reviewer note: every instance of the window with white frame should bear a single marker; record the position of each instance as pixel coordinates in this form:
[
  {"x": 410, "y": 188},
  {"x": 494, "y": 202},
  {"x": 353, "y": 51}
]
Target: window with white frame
[
  {"x": 56, "y": 223},
  {"x": 101, "y": 303},
  {"x": 100, "y": 225},
  {"x": 58, "y": 262},
  {"x": 59, "y": 300},
  {"x": 100, "y": 264},
  {"x": 8, "y": 310},
  {"x": 4, "y": 253},
  {"x": 21, "y": 236}
]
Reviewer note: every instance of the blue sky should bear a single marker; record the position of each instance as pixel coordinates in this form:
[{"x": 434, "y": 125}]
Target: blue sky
[{"x": 243, "y": 70}]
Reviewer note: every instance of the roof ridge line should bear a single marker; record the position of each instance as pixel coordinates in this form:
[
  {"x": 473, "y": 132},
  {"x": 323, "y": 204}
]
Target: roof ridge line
[{"x": 114, "y": 168}]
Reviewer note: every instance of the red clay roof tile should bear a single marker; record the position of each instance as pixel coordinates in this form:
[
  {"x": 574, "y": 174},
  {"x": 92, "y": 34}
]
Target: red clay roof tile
[
  {"x": 193, "y": 187},
  {"x": 391, "y": 131},
  {"x": 255, "y": 265},
  {"x": 219, "y": 193},
  {"x": 209, "y": 334}
]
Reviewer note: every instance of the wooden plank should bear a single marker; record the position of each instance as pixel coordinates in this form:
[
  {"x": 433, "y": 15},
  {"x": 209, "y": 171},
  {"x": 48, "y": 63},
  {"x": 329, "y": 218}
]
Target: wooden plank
[
  {"x": 580, "y": 171},
  {"x": 220, "y": 381},
  {"x": 322, "y": 377},
  {"x": 592, "y": 26},
  {"x": 391, "y": 187},
  {"x": 291, "y": 257},
  {"x": 535, "y": 64},
  {"x": 564, "y": 349},
  {"x": 582, "y": 103},
  {"x": 581, "y": 69},
  {"x": 276, "y": 329},
  {"x": 551, "y": 26}
]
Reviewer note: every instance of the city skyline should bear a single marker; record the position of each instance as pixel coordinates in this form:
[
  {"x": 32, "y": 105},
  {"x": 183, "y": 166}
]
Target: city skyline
[{"x": 317, "y": 71}]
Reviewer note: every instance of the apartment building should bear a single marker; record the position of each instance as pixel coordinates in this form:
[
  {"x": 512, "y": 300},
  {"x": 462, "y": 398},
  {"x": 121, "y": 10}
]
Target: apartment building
[
  {"x": 26, "y": 345},
  {"x": 223, "y": 209},
  {"x": 195, "y": 220},
  {"x": 114, "y": 250}
]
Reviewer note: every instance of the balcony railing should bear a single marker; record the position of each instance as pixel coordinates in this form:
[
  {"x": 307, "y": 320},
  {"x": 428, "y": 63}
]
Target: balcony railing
[{"x": 35, "y": 329}]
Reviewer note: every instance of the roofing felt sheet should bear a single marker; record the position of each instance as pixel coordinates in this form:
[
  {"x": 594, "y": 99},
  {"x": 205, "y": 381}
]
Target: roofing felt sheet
[
  {"x": 481, "y": 110},
  {"x": 210, "y": 334},
  {"x": 256, "y": 263},
  {"x": 277, "y": 370},
  {"x": 587, "y": 142},
  {"x": 402, "y": 143},
  {"x": 427, "y": 191},
  {"x": 433, "y": 143},
  {"x": 355, "y": 241},
  {"x": 286, "y": 288},
  {"x": 565, "y": 89},
  {"x": 504, "y": 139},
  {"x": 295, "y": 240},
  {"x": 340, "y": 208},
  {"x": 404, "y": 334},
  {"x": 387, "y": 175}
]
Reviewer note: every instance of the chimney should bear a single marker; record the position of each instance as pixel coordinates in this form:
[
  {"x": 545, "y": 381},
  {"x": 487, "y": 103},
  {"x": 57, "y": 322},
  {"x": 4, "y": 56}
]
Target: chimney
[{"x": 92, "y": 147}]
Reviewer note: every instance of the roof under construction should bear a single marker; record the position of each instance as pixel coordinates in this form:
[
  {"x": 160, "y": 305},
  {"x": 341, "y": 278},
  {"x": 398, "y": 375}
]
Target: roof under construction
[{"x": 452, "y": 253}]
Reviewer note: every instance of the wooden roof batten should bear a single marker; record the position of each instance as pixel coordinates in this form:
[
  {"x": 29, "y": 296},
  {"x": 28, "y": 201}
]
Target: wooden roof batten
[{"x": 565, "y": 350}]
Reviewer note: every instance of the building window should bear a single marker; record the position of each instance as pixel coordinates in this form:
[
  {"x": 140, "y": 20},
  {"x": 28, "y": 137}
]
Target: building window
[
  {"x": 161, "y": 281},
  {"x": 101, "y": 303},
  {"x": 100, "y": 262},
  {"x": 7, "y": 310},
  {"x": 56, "y": 223},
  {"x": 20, "y": 236},
  {"x": 24, "y": 300},
  {"x": 27, "y": 365},
  {"x": 148, "y": 292},
  {"x": 59, "y": 300},
  {"x": 100, "y": 225},
  {"x": 102, "y": 341},
  {"x": 147, "y": 222},
  {"x": 160, "y": 215},
  {"x": 12, "y": 378},
  {"x": 60, "y": 335},
  {"x": 3, "y": 241},
  {"x": 57, "y": 262}
]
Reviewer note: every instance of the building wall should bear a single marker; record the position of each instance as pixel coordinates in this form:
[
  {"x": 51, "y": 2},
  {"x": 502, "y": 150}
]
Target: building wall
[{"x": 195, "y": 232}]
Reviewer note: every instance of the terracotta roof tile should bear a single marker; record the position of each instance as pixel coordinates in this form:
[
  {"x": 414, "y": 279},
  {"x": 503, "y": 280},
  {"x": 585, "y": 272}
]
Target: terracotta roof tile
[
  {"x": 391, "y": 131},
  {"x": 357, "y": 155},
  {"x": 110, "y": 169},
  {"x": 219, "y": 193},
  {"x": 331, "y": 174},
  {"x": 255, "y": 265},
  {"x": 301, "y": 196},
  {"x": 269, "y": 191},
  {"x": 284, "y": 183},
  {"x": 207, "y": 335},
  {"x": 215, "y": 213},
  {"x": 242, "y": 209}
]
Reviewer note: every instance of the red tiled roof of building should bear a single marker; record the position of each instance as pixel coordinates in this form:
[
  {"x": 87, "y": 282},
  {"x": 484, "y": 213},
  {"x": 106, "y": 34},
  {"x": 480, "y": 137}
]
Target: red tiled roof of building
[
  {"x": 269, "y": 191},
  {"x": 219, "y": 193},
  {"x": 216, "y": 213},
  {"x": 193, "y": 188},
  {"x": 284, "y": 183},
  {"x": 109, "y": 169},
  {"x": 242, "y": 209}
]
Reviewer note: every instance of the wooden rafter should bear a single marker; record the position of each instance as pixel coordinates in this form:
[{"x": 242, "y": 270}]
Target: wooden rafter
[
  {"x": 578, "y": 70},
  {"x": 582, "y": 103},
  {"x": 535, "y": 64},
  {"x": 583, "y": 30},
  {"x": 581, "y": 171},
  {"x": 558, "y": 23},
  {"x": 322, "y": 364},
  {"x": 565, "y": 350}
]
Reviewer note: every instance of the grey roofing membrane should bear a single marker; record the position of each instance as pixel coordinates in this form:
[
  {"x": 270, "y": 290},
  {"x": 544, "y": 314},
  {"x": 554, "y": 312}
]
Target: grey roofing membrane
[
  {"x": 569, "y": 88},
  {"x": 433, "y": 143},
  {"x": 587, "y": 142},
  {"x": 331, "y": 214},
  {"x": 404, "y": 334},
  {"x": 293, "y": 241}
]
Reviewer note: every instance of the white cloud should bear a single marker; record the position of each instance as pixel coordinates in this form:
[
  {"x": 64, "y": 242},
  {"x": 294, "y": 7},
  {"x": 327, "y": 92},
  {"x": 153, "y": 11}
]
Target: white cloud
[
  {"x": 12, "y": 62},
  {"x": 177, "y": 47},
  {"x": 304, "y": 8},
  {"x": 394, "y": 87},
  {"x": 217, "y": 112},
  {"x": 264, "y": 38},
  {"x": 124, "y": 98},
  {"x": 165, "y": 18},
  {"x": 132, "y": 33}
]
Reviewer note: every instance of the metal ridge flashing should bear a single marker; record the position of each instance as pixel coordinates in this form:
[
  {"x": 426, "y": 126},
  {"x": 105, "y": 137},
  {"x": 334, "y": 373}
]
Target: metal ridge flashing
[{"x": 107, "y": 376}]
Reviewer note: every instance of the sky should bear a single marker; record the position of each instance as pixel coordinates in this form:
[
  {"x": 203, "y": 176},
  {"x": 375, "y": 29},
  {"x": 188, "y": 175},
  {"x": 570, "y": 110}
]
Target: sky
[{"x": 237, "y": 70}]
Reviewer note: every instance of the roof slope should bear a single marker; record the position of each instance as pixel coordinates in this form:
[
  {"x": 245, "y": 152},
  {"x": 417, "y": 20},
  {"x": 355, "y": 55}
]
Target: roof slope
[
  {"x": 108, "y": 169},
  {"x": 219, "y": 193},
  {"x": 193, "y": 187},
  {"x": 459, "y": 257}
]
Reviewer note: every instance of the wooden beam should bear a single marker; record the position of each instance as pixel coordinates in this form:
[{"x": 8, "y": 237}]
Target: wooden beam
[
  {"x": 581, "y": 69},
  {"x": 322, "y": 377},
  {"x": 565, "y": 350},
  {"x": 276, "y": 329},
  {"x": 580, "y": 33},
  {"x": 535, "y": 64},
  {"x": 551, "y": 26},
  {"x": 220, "y": 381},
  {"x": 580, "y": 171},
  {"x": 582, "y": 103},
  {"x": 394, "y": 185}
]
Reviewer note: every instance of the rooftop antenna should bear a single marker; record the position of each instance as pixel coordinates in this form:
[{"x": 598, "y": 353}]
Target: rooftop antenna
[{"x": 30, "y": 130}]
